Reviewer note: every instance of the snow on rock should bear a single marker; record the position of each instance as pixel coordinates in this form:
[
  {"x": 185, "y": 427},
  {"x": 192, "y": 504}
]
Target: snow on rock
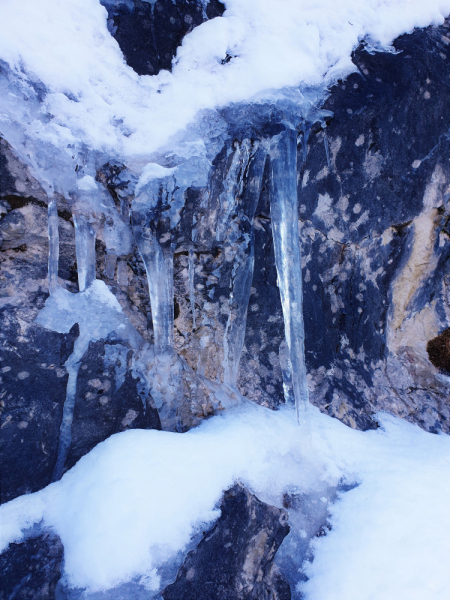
[
  {"x": 137, "y": 498},
  {"x": 88, "y": 95}
]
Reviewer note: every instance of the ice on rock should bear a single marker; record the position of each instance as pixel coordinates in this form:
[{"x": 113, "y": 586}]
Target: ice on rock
[
  {"x": 85, "y": 232},
  {"x": 116, "y": 356},
  {"x": 284, "y": 213},
  {"x": 242, "y": 188},
  {"x": 192, "y": 285},
  {"x": 159, "y": 269},
  {"x": 98, "y": 315},
  {"x": 53, "y": 250}
]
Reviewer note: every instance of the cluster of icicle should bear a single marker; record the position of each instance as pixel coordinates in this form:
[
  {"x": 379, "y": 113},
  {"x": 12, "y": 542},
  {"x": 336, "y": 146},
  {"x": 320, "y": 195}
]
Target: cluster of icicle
[{"x": 157, "y": 197}]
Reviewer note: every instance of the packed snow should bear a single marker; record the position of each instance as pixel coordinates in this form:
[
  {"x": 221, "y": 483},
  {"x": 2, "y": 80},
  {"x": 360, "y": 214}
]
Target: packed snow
[
  {"x": 137, "y": 498},
  {"x": 87, "y": 95}
]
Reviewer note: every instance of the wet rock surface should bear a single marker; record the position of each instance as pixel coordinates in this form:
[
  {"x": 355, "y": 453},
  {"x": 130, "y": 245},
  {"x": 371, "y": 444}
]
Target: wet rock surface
[
  {"x": 31, "y": 570},
  {"x": 235, "y": 558}
]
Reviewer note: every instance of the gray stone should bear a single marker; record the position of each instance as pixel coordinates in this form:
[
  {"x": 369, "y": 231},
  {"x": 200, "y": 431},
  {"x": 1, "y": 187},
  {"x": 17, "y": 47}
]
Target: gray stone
[{"x": 234, "y": 560}]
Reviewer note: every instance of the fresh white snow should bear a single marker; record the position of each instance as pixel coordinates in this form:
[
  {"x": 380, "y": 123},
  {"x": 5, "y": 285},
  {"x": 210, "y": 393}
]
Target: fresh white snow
[
  {"x": 135, "y": 500},
  {"x": 95, "y": 99}
]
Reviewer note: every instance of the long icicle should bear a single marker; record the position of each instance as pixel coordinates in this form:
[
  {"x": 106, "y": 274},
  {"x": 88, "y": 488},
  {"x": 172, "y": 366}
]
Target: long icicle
[
  {"x": 191, "y": 285},
  {"x": 53, "y": 246},
  {"x": 284, "y": 213},
  {"x": 85, "y": 233},
  {"x": 242, "y": 274}
]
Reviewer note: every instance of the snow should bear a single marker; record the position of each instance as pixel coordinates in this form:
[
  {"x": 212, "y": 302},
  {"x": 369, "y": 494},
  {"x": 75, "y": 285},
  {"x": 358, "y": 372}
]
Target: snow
[
  {"x": 93, "y": 99},
  {"x": 137, "y": 498}
]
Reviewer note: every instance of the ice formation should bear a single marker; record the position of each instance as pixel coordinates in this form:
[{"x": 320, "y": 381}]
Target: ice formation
[
  {"x": 70, "y": 105},
  {"x": 284, "y": 211}
]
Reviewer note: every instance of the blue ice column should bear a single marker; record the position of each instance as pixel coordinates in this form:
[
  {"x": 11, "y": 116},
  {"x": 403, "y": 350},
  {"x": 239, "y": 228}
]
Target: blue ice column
[
  {"x": 284, "y": 213},
  {"x": 244, "y": 196},
  {"x": 159, "y": 268},
  {"x": 85, "y": 232}
]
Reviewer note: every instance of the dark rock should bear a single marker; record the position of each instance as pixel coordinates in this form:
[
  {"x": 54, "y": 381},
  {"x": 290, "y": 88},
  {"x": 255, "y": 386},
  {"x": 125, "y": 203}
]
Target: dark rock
[
  {"x": 370, "y": 303},
  {"x": 33, "y": 376},
  {"x": 33, "y": 383},
  {"x": 109, "y": 399},
  {"x": 150, "y": 33},
  {"x": 235, "y": 558},
  {"x": 31, "y": 569}
]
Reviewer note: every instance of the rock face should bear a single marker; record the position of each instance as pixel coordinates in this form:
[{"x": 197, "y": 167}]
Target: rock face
[
  {"x": 149, "y": 32},
  {"x": 108, "y": 399},
  {"x": 234, "y": 560},
  {"x": 374, "y": 223},
  {"x": 31, "y": 570},
  {"x": 374, "y": 215}
]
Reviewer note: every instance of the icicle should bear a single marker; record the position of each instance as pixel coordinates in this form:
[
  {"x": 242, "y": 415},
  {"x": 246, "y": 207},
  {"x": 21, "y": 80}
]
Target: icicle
[
  {"x": 191, "y": 285},
  {"x": 242, "y": 237},
  {"x": 159, "y": 268},
  {"x": 53, "y": 248},
  {"x": 65, "y": 431},
  {"x": 110, "y": 265},
  {"x": 305, "y": 143},
  {"x": 284, "y": 213},
  {"x": 122, "y": 273},
  {"x": 85, "y": 232},
  {"x": 232, "y": 186}
]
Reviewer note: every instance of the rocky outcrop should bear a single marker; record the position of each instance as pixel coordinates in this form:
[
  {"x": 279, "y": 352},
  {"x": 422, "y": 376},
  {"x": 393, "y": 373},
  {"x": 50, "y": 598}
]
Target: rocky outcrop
[
  {"x": 33, "y": 372},
  {"x": 234, "y": 560},
  {"x": 373, "y": 189},
  {"x": 150, "y": 31}
]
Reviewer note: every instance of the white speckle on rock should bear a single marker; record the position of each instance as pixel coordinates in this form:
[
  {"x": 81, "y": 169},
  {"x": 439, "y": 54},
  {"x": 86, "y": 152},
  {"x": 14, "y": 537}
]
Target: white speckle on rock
[
  {"x": 322, "y": 173},
  {"x": 357, "y": 208},
  {"x": 129, "y": 417},
  {"x": 360, "y": 140},
  {"x": 416, "y": 164},
  {"x": 305, "y": 178},
  {"x": 23, "y": 375},
  {"x": 427, "y": 95}
]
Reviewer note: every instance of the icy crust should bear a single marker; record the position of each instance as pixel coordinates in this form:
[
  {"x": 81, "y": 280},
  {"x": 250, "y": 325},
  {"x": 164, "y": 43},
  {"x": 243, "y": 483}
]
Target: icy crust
[
  {"x": 87, "y": 96},
  {"x": 135, "y": 500}
]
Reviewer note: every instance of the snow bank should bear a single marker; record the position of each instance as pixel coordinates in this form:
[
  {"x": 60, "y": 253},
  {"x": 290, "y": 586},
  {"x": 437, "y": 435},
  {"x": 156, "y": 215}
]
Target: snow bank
[
  {"x": 91, "y": 96},
  {"x": 136, "y": 499}
]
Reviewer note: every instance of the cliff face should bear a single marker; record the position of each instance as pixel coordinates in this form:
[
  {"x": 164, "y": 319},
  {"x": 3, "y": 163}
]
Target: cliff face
[
  {"x": 374, "y": 225},
  {"x": 373, "y": 190}
]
